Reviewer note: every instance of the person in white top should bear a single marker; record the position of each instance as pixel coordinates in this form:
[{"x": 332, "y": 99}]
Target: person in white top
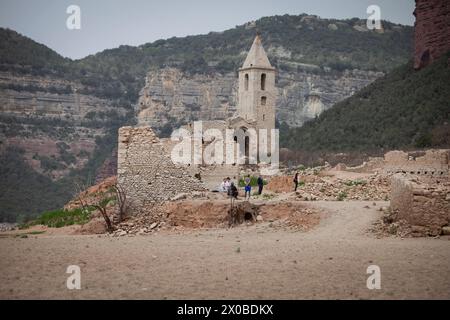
[
  {"x": 223, "y": 186},
  {"x": 227, "y": 185}
]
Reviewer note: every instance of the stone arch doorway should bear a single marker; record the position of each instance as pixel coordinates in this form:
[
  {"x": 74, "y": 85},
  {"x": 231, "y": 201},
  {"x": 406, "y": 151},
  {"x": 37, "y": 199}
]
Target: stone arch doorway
[
  {"x": 247, "y": 149},
  {"x": 242, "y": 140}
]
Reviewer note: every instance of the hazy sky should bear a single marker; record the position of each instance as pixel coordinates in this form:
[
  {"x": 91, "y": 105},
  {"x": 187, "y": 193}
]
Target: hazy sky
[{"x": 110, "y": 23}]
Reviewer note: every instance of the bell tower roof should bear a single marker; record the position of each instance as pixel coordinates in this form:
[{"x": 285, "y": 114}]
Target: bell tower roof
[{"x": 257, "y": 57}]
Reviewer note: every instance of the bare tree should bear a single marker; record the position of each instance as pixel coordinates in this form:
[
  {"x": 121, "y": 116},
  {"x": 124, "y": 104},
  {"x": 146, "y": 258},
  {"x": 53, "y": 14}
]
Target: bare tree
[
  {"x": 100, "y": 202},
  {"x": 101, "y": 205},
  {"x": 80, "y": 190}
]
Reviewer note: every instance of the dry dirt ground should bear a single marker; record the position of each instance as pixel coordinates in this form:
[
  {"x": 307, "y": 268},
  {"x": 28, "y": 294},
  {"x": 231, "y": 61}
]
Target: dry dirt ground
[{"x": 249, "y": 262}]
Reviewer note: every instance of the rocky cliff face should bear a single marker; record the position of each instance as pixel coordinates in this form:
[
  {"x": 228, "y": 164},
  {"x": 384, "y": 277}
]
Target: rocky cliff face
[
  {"x": 170, "y": 96},
  {"x": 432, "y": 31},
  {"x": 173, "y": 97},
  {"x": 57, "y": 126}
]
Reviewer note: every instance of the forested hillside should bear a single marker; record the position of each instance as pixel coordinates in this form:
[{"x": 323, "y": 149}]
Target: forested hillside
[{"x": 405, "y": 109}]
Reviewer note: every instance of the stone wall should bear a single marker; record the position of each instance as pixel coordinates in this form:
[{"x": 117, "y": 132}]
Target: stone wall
[
  {"x": 146, "y": 172},
  {"x": 432, "y": 31},
  {"x": 430, "y": 162},
  {"x": 423, "y": 202}
]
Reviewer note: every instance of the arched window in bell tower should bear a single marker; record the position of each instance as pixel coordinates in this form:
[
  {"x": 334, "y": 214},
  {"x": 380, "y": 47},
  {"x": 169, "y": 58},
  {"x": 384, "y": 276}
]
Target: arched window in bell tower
[
  {"x": 263, "y": 81},
  {"x": 246, "y": 82}
]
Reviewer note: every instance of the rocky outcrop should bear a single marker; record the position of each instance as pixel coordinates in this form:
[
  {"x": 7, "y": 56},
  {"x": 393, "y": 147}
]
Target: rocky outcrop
[
  {"x": 432, "y": 31},
  {"x": 171, "y": 96},
  {"x": 56, "y": 125}
]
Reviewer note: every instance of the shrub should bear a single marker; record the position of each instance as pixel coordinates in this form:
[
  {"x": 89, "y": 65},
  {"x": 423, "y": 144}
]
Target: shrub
[
  {"x": 355, "y": 182},
  {"x": 342, "y": 195}
]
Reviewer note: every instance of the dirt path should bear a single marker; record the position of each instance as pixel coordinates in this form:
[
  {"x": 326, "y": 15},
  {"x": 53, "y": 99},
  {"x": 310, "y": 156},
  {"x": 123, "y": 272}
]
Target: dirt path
[
  {"x": 348, "y": 220},
  {"x": 255, "y": 262}
]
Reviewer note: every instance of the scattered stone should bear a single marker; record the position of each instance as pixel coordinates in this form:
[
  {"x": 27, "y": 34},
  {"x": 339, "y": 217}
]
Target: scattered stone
[
  {"x": 180, "y": 196},
  {"x": 153, "y": 225},
  {"x": 7, "y": 226}
]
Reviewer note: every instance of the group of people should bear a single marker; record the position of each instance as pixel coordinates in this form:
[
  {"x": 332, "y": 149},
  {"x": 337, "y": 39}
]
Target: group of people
[{"x": 230, "y": 188}]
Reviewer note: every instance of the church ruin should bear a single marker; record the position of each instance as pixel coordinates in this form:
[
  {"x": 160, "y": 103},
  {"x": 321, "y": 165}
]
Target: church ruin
[{"x": 147, "y": 171}]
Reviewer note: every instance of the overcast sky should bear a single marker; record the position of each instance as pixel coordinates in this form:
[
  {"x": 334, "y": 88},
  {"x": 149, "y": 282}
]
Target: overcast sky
[{"x": 110, "y": 23}]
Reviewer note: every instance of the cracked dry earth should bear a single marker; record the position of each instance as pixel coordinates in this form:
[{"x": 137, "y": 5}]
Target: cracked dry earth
[{"x": 254, "y": 262}]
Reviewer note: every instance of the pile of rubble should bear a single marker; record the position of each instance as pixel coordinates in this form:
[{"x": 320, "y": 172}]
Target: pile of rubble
[
  {"x": 189, "y": 214},
  {"x": 314, "y": 187},
  {"x": 148, "y": 222},
  {"x": 373, "y": 188},
  {"x": 7, "y": 226}
]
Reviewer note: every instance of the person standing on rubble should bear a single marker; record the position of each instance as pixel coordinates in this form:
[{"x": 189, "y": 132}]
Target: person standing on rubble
[
  {"x": 233, "y": 191},
  {"x": 260, "y": 184},
  {"x": 248, "y": 187},
  {"x": 296, "y": 181},
  {"x": 227, "y": 185}
]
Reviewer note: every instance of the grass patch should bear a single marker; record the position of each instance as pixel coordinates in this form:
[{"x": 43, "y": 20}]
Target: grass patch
[
  {"x": 268, "y": 196},
  {"x": 35, "y": 232},
  {"x": 26, "y": 234},
  {"x": 341, "y": 196},
  {"x": 358, "y": 182},
  {"x": 61, "y": 218}
]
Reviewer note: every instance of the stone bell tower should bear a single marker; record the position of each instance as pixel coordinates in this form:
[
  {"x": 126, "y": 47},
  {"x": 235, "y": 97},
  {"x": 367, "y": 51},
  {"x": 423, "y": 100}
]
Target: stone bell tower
[{"x": 257, "y": 92}]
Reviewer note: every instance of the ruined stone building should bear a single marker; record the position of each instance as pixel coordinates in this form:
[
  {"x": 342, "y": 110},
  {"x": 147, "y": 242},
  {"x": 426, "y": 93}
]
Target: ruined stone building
[
  {"x": 420, "y": 187},
  {"x": 421, "y": 184},
  {"x": 432, "y": 31},
  {"x": 428, "y": 163},
  {"x": 146, "y": 169}
]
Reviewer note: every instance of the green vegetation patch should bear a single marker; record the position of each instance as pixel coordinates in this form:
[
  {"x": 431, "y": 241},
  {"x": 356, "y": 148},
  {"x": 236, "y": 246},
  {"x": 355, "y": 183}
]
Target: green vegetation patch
[
  {"x": 405, "y": 109},
  {"x": 253, "y": 181},
  {"x": 341, "y": 196},
  {"x": 61, "y": 218},
  {"x": 357, "y": 182}
]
